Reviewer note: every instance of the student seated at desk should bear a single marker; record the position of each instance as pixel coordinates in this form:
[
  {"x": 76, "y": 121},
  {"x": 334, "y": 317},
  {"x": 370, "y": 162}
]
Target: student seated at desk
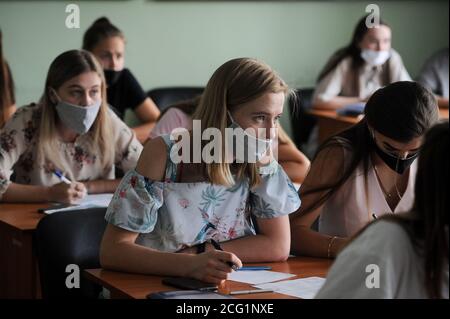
[
  {"x": 166, "y": 211},
  {"x": 7, "y": 98},
  {"x": 71, "y": 130},
  {"x": 434, "y": 76},
  {"x": 407, "y": 253},
  {"x": 353, "y": 73},
  {"x": 107, "y": 43},
  {"x": 294, "y": 162},
  {"x": 367, "y": 169}
]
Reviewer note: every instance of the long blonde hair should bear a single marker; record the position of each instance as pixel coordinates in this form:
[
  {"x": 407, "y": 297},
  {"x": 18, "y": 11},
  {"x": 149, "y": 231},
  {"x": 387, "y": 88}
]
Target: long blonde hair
[
  {"x": 236, "y": 82},
  {"x": 7, "y": 97},
  {"x": 66, "y": 66}
]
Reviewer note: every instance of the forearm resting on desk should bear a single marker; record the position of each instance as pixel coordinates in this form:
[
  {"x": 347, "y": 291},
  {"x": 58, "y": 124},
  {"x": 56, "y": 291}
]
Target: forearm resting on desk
[
  {"x": 26, "y": 193},
  {"x": 119, "y": 251},
  {"x": 307, "y": 242},
  {"x": 271, "y": 244},
  {"x": 130, "y": 257}
]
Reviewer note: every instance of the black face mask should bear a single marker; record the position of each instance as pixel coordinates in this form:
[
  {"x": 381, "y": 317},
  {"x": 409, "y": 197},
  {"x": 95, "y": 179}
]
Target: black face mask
[
  {"x": 111, "y": 76},
  {"x": 396, "y": 164}
]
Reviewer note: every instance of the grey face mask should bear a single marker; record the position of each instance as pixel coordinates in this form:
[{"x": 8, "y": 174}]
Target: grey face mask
[{"x": 78, "y": 118}]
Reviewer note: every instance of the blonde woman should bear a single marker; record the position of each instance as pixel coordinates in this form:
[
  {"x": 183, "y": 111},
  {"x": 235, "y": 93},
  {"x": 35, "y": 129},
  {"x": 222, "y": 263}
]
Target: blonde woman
[
  {"x": 7, "y": 98},
  {"x": 71, "y": 132},
  {"x": 165, "y": 214},
  {"x": 293, "y": 161}
]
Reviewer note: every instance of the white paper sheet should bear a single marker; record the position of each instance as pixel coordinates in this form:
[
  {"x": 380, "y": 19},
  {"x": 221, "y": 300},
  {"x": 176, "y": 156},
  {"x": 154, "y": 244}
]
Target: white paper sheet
[
  {"x": 256, "y": 277},
  {"x": 89, "y": 201},
  {"x": 305, "y": 288}
]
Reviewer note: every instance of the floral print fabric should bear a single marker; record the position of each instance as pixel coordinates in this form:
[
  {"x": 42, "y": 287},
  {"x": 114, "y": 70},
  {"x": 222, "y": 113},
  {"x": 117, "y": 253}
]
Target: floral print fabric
[
  {"x": 171, "y": 216},
  {"x": 18, "y": 152}
]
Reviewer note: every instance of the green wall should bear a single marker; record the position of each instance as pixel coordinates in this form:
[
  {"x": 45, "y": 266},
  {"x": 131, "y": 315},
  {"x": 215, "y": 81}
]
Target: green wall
[{"x": 182, "y": 43}]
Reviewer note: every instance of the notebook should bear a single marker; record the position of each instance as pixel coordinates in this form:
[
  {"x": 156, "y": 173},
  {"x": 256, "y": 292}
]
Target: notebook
[
  {"x": 89, "y": 201},
  {"x": 352, "y": 109}
]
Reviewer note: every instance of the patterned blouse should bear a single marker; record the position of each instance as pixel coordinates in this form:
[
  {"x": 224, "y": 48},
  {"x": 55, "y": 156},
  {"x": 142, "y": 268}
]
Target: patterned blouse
[
  {"x": 18, "y": 152},
  {"x": 170, "y": 215}
]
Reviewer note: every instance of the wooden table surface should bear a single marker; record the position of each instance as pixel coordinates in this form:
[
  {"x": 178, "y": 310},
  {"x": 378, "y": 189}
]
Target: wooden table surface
[
  {"x": 126, "y": 285},
  {"x": 19, "y": 274},
  {"x": 24, "y": 217}
]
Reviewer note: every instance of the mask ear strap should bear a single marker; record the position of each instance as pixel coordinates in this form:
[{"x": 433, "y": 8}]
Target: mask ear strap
[
  {"x": 54, "y": 98},
  {"x": 230, "y": 117}
]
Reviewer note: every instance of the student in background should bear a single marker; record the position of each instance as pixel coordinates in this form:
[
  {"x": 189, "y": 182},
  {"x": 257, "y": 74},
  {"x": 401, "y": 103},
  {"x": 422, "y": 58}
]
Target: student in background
[
  {"x": 7, "y": 98},
  {"x": 294, "y": 162},
  {"x": 164, "y": 207},
  {"x": 353, "y": 73},
  {"x": 71, "y": 131},
  {"x": 407, "y": 252},
  {"x": 107, "y": 43},
  {"x": 368, "y": 169},
  {"x": 434, "y": 76}
]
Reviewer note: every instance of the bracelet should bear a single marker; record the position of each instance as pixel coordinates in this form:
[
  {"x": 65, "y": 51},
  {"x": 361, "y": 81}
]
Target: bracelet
[
  {"x": 201, "y": 248},
  {"x": 330, "y": 245}
]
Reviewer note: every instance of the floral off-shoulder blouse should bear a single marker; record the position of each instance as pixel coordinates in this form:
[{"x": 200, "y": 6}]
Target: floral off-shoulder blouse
[
  {"x": 18, "y": 152},
  {"x": 171, "y": 215}
]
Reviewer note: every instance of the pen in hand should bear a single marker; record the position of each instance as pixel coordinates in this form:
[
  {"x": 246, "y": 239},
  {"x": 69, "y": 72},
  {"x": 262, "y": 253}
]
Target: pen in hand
[
  {"x": 62, "y": 177},
  {"x": 217, "y": 246}
]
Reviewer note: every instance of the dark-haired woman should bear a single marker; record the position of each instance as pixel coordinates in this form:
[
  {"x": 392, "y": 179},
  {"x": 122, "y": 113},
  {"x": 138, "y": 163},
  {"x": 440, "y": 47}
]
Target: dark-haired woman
[
  {"x": 7, "y": 98},
  {"x": 124, "y": 92},
  {"x": 353, "y": 73},
  {"x": 365, "y": 171},
  {"x": 406, "y": 255}
]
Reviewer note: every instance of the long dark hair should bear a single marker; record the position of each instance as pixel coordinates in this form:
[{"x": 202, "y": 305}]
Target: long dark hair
[
  {"x": 352, "y": 50},
  {"x": 427, "y": 221},
  {"x": 401, "y": 111},
  {"x": 7, "y": 97},
  {"x": 101, "y": 29}
]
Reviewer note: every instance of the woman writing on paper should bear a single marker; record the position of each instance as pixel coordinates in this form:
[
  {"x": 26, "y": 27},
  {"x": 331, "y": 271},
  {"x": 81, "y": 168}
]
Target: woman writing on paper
[
  {"x": 165, "y": 213},
  {"x": 70, "y": 131}
]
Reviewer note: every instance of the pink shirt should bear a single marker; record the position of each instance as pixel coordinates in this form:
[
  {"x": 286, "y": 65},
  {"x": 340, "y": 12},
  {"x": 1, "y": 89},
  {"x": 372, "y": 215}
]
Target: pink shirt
[
  {"x": 347, "y": 211},
  {"x": 176, "y": 118},
  {"x": 172, "y": 119}
]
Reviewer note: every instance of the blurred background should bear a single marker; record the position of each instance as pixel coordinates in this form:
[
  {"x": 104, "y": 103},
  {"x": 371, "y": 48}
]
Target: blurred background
[{"x": 180, "y": 43}]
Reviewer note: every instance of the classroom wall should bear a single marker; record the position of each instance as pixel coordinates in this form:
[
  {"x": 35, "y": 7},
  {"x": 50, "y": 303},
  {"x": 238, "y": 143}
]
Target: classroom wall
[{"x": 181, "y": 43}]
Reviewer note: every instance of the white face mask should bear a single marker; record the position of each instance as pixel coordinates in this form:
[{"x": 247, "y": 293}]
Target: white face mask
[
  {"x": 375, "y": 58},
  {"x": 78, "y": 118},
  {"x": 247, "y": 147}
]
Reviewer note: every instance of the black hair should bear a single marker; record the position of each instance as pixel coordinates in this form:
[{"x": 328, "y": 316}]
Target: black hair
[
  {"x": 401, "y": 111},
  {"x": 101, "y": 29},
  {"x": 352, "y": 50}
]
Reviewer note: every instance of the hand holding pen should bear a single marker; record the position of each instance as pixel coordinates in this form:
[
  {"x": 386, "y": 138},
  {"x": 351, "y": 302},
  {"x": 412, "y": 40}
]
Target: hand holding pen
[
  {"x": 66, "y": 191},
  {"x": 211, "y": 266},
  {"x": 218, "y": 247}
]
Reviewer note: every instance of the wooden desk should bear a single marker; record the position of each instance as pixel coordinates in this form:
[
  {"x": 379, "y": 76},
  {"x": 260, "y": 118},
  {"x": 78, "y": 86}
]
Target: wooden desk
[
  {"x": 19, "y": 276},
  {"x": 329, "y": 123},
  {"x": 126, "y": 286}
]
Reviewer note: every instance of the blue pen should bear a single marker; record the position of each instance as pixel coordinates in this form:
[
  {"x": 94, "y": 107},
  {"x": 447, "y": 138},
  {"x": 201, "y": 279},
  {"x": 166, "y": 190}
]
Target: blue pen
[
  {"x": 62, "y": 177},
  {"x": 254, "y": 268}
]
